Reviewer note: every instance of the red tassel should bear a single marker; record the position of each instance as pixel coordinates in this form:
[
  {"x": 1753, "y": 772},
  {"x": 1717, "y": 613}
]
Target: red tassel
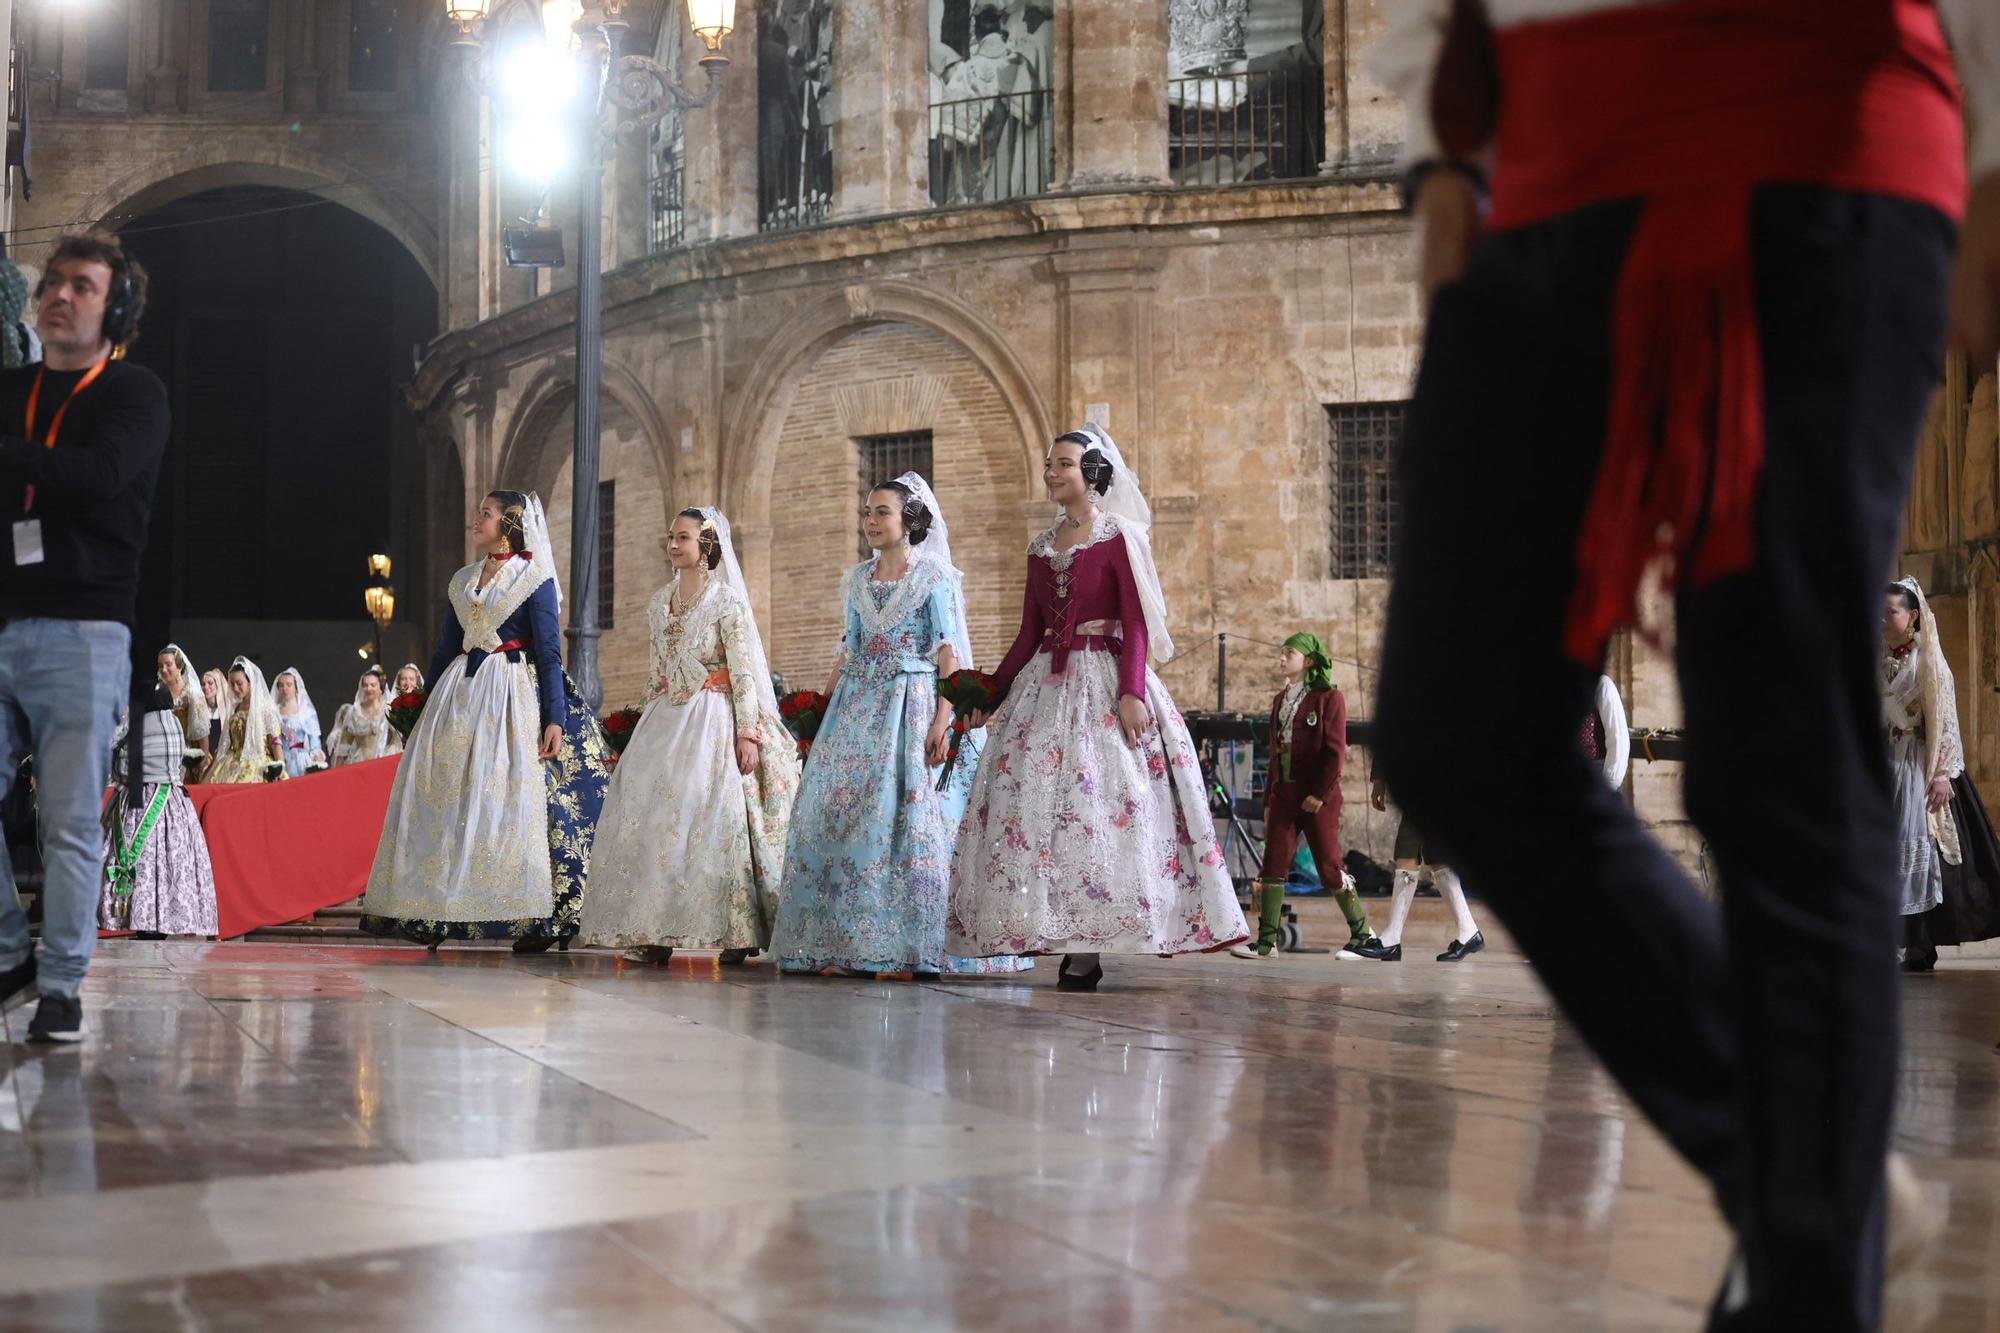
[{"x": 1685, "y": 429}]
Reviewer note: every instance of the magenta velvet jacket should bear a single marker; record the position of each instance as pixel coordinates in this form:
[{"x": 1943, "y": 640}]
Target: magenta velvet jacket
[{"x": 1077, "y": 600}]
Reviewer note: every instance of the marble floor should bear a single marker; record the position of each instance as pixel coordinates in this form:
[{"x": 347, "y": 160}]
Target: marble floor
[{"x": 297, "y": 1137}]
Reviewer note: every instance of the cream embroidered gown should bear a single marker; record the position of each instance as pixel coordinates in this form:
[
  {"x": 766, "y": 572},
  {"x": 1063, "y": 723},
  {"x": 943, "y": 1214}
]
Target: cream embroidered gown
[
  {"x": 483, "y": 839},
  {"x": 689, "y": 851}
]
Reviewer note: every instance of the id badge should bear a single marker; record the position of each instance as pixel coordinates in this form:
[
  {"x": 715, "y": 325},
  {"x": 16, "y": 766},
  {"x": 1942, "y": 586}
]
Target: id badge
[{"x": 28, "y": 542}]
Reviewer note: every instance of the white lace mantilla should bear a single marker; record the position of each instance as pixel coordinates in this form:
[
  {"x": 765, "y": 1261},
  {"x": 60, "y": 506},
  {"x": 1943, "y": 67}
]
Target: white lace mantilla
[
  {"x": 905, "y": 596},
  {"x": 481, "y": 612},
  {"x": 1103, "y": 530}
]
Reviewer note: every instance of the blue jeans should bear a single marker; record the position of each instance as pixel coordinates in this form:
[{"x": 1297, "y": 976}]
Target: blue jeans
[{"x": 62, "y": 691}]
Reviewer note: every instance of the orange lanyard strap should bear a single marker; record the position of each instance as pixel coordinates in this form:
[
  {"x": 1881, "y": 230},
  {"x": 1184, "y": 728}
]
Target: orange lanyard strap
[{"x": 35, "y": 398}]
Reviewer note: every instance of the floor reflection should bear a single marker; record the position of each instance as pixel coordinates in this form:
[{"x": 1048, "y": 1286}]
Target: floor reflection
[{"x": 480, "y": 1141}]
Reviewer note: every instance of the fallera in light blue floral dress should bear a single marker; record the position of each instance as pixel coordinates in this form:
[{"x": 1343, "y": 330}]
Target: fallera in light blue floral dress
[{"x": 868, "y": 864}]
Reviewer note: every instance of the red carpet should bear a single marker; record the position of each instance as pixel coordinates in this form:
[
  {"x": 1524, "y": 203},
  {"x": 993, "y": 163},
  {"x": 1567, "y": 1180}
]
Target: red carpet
[{"x": 284, "y": 850}]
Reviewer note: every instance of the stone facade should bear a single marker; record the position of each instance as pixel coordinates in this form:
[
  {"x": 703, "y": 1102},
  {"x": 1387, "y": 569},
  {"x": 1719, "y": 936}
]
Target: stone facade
[{"x": 1210, "y": 328}]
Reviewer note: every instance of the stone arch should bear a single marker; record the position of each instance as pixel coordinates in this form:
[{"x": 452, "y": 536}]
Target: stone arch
[
  {"x": 532, "y": 455},
  {"x": 751, "y": 428},
  {"x": 884, "y": 378},
  {"x": 227, "y": 160}
]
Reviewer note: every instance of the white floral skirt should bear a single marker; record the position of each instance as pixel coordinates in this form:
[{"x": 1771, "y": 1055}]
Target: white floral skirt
[
  {"x": 1076, "y": 842},
  {"x": 467, "y": 832},
  {"x": 685, "y": 855}
]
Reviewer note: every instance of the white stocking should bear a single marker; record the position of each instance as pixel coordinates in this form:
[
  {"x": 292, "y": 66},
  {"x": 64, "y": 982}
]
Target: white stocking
[
  {"x": 1453, "y": 893},
  {"x": 1403, "y": 894}
]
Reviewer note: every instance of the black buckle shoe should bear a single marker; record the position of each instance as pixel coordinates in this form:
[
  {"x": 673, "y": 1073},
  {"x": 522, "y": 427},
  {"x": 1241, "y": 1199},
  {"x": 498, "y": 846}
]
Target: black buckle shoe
[
  {"x": 1460, "y": 950},
  {"x": 1067, "y": 980},
  {"x": 58, "y": 1018},
  {"x": 1373, "y": 948}
]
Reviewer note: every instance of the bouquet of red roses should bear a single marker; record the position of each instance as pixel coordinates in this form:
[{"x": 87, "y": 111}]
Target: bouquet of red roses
[
  {"x": 618, "y": 729},
  {"x": 803, "y": 711},
  {"x": 404, "y": 710},
  {"x": 967, "y": 692}
]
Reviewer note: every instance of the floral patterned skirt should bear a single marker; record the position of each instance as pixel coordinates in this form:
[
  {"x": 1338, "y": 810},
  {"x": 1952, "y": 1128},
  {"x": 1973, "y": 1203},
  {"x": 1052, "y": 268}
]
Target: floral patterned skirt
[
  {"x": 691, "y": 851},
  {"x": 1074, "y": 841},
  {"x": 433, "y": 869},
  {"x": 869, "y": 863},
  {"x": 174, "y": 891}
]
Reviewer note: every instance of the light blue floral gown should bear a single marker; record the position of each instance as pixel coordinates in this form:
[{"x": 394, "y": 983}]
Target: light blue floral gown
[{"x": 868, "y": 862}]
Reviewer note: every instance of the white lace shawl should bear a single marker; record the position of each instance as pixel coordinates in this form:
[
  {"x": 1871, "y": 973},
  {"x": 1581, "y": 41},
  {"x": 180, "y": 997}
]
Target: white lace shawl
[
  {"x": 481, "y": 614},
  {"x": 906, "y": 595}
]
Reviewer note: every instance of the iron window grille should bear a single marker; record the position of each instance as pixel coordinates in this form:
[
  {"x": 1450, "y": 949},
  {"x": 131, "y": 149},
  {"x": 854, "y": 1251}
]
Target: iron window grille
[
  {"x": 1362, "y": 442},
  {"x": 886, "y": 457}
]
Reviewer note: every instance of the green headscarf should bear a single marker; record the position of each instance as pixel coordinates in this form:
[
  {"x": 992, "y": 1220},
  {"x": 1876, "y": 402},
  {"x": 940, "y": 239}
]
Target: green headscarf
[{"x": 1319, "y": 667}]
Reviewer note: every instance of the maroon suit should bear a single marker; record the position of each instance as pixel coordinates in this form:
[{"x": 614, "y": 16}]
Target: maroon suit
[{"x": 1318, "y": 755}]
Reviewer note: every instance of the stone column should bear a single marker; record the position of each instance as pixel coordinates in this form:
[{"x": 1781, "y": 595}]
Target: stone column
[
  {"x": 302, "y": 73},
  {"x": 166, "y": 26},
  {"x": 458, "y": 124},
  {"x": 1104, "y": 341},
  {"x": 720, "y": 172},
  {"x": 881, "y": 107},
  {"x": 1113, "y": 62}
]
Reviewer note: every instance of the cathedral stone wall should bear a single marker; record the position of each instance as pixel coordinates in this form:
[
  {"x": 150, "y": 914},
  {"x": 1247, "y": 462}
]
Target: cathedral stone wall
[{"x": 1206, "y": 306}]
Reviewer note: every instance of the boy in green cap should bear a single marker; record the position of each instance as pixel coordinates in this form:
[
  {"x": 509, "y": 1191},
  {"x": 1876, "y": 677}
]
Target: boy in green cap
[{"x": 1302, "y": 791}]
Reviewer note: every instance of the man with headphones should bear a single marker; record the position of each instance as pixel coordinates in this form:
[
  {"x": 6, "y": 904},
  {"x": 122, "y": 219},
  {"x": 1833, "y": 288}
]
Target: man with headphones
[{"x": 81, "y": 441}]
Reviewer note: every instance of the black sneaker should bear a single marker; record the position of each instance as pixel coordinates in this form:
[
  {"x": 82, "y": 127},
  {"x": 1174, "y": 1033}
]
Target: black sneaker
[
  {"x": 59, "y": 1018},
  {"x": 17, "y": 984}
]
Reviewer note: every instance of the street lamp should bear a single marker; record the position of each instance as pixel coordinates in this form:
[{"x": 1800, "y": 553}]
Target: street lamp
[
  {"x": 379, "y": 597},
  {"x": 625, "y": 95}
]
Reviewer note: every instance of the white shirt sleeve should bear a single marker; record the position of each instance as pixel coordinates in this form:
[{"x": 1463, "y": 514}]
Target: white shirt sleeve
[
  {"x": 1617, "y": 732},
  {"x": 1405, "y": 58},
  {"x": 1974, "y": 28}
]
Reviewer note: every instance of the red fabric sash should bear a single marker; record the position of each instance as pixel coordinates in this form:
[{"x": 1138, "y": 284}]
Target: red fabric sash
[{"x": 1688, "y": 105}]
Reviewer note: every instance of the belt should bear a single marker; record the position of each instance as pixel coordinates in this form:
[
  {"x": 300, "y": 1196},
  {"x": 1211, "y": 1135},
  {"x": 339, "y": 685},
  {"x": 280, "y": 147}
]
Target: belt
[
  {"x": 718, "y": 680},
  {"x": 512, "y": 650},
  {"x": 1086, "y": 638}
]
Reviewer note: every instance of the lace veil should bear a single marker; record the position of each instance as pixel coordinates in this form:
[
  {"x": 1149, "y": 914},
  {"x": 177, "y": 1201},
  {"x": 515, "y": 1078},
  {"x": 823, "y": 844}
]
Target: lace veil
[{"x": 1126, "y": 502}]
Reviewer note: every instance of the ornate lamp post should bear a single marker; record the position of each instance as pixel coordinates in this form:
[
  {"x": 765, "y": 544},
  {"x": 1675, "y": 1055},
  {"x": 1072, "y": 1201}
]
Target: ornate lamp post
[
  {"x": 380, "y": 598},
  {"x": 624, "y": 95}
]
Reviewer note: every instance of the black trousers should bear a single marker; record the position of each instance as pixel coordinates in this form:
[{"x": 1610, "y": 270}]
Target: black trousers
[{"x": 1760, "y": 1035}]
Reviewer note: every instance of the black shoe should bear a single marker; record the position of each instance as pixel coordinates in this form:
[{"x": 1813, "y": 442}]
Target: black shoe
[
  {"x": 1380, "y": 952},
  {"x": 17, "y": 984},
  {"x": 1078, "y": 981},
  {"x": 735, "y": 957},
  {"x": 149, "y": 934},
  {"x": 1459, "y": 950},
  {"x": 535, "y": 944},
  {"x": 59, "y": 1018}
]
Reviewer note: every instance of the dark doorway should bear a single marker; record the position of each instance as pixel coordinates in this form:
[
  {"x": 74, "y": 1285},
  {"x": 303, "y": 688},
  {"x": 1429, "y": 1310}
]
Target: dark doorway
[{"x": 284, "y": 327}]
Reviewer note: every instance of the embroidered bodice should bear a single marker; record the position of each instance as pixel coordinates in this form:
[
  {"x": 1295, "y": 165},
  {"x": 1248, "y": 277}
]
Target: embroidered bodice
[
  {"x": 1086, "y": 590},
  {"x": 897, "y": 628},
  {"x": 358, "y": 736},
  {"x": 519, "y": 606},
  {"x": 705, "y": 646}
]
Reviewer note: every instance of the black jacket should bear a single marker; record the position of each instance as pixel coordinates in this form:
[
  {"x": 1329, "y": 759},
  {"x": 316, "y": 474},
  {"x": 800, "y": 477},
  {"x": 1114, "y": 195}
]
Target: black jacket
[{"x": 93, "y": 492}]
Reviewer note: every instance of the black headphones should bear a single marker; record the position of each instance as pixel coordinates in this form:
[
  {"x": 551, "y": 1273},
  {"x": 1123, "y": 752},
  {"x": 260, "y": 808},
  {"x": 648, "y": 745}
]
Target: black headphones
[{"x": 118, "y": 308}]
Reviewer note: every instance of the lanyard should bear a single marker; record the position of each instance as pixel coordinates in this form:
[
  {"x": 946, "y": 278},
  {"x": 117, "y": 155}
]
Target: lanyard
[
  {"x": 35, "y": 398},
  {"x": 55, "y": 426}
]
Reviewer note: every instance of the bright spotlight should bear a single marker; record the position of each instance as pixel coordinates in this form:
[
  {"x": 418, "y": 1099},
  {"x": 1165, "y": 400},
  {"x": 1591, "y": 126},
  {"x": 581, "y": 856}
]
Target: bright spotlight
[
  {"x": 536, "y": 150},
  {"x": 538, "y": 80}
]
